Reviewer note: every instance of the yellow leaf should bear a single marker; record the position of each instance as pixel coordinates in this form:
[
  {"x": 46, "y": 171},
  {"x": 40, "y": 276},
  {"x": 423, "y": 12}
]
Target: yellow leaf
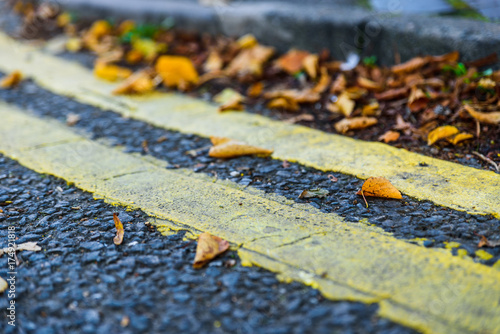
[
  {"x": 483, "y": 117},
  {"x": 372, "y": 109},
  {"x": 148, "y": 48},
  {"x": 379, "y": 187},
  {"x": 63, "y": 19},
  {"x": 118, "y": 239},
  {"x": 229, "y": 99},
  {"x": 389, "y": 136},
  {"x": 228, "y": 148},
  {"x": 460, "y": 137},
  {"x": 310, "y": 65},
  {"x": 283, "y": 103},
  {"x": 3, "y": 285},
  {"x": 256, "y": 89},
  {"x": 99, "y": 29},
  {"x": 139, "y": 83},
  {"x": 74, "y": 44},
  {"x": 247, "y": 41},
  {"x": 177, "y": 71},
  {"x": 441, "y": 133},
  {"x": 209, "y": 246},
  {"x": 293, "y": 61},
  {"x": 354, "y": 123},
  {"x": 111, "y": 72},
  {"x": 249, "y": 61},
  {"x": 345, "y": 104},
  {"x": 11, "y": 80},
  {"x": 214, "y": 62}
]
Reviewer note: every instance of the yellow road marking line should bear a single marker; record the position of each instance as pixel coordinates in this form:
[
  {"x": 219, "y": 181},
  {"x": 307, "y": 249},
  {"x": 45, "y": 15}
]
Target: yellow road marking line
[
  {"x": 444, "y": 183},
  {"x": 427, "y": 289}
]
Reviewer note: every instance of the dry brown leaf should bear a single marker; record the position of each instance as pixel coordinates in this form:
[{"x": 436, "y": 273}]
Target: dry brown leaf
[
  {"x": 72, "y": 119},
  {"x": 417, "y": 100},
  {"x": 372, "y": 109},
  {"x": 392, "y": 94},
  {"x": 311, "y": 193},
  {"x": 339, "y": 84},
  {"x": 249, "y": 61},
  {"x": 379, "y": 187},
  {"x": 460, "y": 137},
  {"x": 118, "y": 239},
  {"x": 410, "y": 66},
  {"x": 255, "y": 90},
  {"x": 368, "y": 84},
  {"x": 293, "y": 61},
  {"x": 299, "y": 96},
  {"x": 451, "y": 57},
  {"x": 283, "y": 103},
  {"x": 389, "y": 136},
  {"x": 139, "y": 83},
  {"x": 111, "y": 72},
  {"x": 486, "y": 243},
  {"x": 229, "y": 99},
  {"x": 226, "y": 148},
  {"x": 11, "y": 80},
  {"x": 177, "y": 71},
  {"x": 300, "y": 118},
  {"x": 345, "y": 104},
  {"x": 441, "y": 133},
  {"x": 324, "y": 81},
  {"x": 483, "y": 117},
  {"x": 355, "y": 92},
  {"x": 214, "y": 62},
  {"x": 354, "y": 123},
  {"x": 209, "y": 246},
  {"x": 310, "y": 65},
  {"x": 27, "y": 246}
]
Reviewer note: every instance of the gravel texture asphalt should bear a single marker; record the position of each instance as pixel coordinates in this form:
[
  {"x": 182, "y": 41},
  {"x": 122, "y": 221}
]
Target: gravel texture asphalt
[
  {"x": 407, "y": 219},
  {"x": 80, "y": 282}
]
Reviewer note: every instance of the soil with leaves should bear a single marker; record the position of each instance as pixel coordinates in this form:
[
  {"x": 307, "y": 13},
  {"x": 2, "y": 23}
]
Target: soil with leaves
[{"x": 434, "y": 105}]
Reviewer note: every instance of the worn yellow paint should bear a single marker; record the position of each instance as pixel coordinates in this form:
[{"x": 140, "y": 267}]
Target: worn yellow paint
[
  {"x": 427, "y": 289},
  {"x": 483, "y": 255},
  {"x": 425, "y": 178}
]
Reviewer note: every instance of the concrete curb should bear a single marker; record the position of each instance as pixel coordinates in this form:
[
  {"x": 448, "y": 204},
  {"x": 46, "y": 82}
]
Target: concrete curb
[{"x": 339, "y": 29}]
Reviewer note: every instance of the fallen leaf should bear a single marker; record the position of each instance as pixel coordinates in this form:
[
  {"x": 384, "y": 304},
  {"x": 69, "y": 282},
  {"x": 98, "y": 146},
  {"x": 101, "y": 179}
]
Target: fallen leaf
[
  {"x": 299, "y": 96},
  {"x": 293, "y": 61},
  {"x": 3, "y": 285},
  {"x": 118, "y": 239},
  {"x": 300, "y": 118},
  {"x": 441, "y": 133},
  {"x": 323, "y": 82},
  {"x": 11, "y": 80},
  {"x": 74, "y": 44},
  {"x": 410, "y": 66},
  {"x": 255, "y": 90},
  {"x": 249, "y": 61},
  {"x": 355, "y": 92},
  {"x": 483, "y": 117},
  {"x": 379, "y": 187},
  {"x": 339, "y": 84},
  {"x": 133, "y": 57},
  {"x": 209, "y": 246},
  {"x": 72, "y": 119},
  {"x": 283, "y": 103},
  {"x": 148, "y": 48},
  {"x": 176, "y": 71},
  {"x": 310, "y": 193},
  {"x": 214, "y": 62},
  {"x": 247, "y": 41},
  {"x": 486, "y": 243},
  {"x": 228, "y": 148},
  {"x": 460, "y": 137},
  {"x": 354, "y": 123},
  {"x": 27, "y": 246},
  {"x": 392, "y": 94},
  {"x": 389, "y": 136},
  {"x": 111, "y": 72},
  {"x": 368, "y": 84},
  {"x": 451, "y": 57},
  {"x": 345, "y": 104},
  {"x": 139, "y": 83},
  {"x": 229, "y": 99},
  {"x": 372, "y": 109},
  {"x": 100, "y": 29},
  {"x": 417, "y": 100},
  {"x": 310, "y": 65}
]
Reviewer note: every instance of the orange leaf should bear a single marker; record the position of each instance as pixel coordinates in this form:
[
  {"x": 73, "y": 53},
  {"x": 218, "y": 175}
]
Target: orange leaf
[
  {"x": 460, "y": 137},
  {"x": 372, "y": 109},
  {"x": 324, "y": 81},
  {"x": 339, "y": 84},
  {"x": 177, "y": 71},
  {"x": 249, "y": 61},
  {"x": 441, "y": 133},
  {"x": 111, "y": 72},
  {"x": 11, "y": 80},
  {"x": 354, "y": 123},
  {"x": 483, "y": 117},
  {"x": 410, "y": 66},
  {"x": 283, "y": 103},
  {"x": 368, "y": 84},
  {"x": 379, "y": 187},
  {"x": 209, "y": 246},
  {"x": 389, "y": 136},
  {"x": 118, "y": 239},
  {"x": 139, "y": 83},
  {"x": 293, "y": 61},
  {"x": 226, "y": 148},
  {"x": 451, "y": 57},
  {"x": 256, "y": 89},
  {"x": 417, "y": 99},
  {"x": 486, "y": 243}
]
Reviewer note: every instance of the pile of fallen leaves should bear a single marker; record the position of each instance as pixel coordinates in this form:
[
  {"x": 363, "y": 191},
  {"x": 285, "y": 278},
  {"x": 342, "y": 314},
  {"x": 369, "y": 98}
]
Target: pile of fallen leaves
[{"x": 430, "y": 99}]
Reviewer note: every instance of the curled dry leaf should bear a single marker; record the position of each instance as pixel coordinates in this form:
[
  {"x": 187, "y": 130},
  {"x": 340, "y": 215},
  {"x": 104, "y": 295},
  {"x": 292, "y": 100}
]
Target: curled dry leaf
[
  {"x": 214, "y": 62},
  {"x": 417, "y": 100},
  {"x": 389, "y": 136},
  {"x": 441, "y": 133},
  {"x": 354, "y": 123},
  {"x": 118, "y": 239},
  {"x": 209, "y": 246},
  {"x": 310, "y": 64},
  {"x": 283, "y": 103},
  {"x": 139, "y": 83},
  {"x": 3, "y": 285},
  {"x": 111, "y": 72},
  {"x": 27, "y": 246},
  {"x": 410, "y": 66},
  {"x": 486, "y": 243},
  {"x": 372, "y": 109},
  {"x": 300, "y": 118},
  {"x": 255, "y": 89},
  {"x": 344, "y": 104},
  {"x": 229, "y": 99},
  {"x": 339, "y": 84},
  {"x": 177, "y": 71},
  {"x": 483, "y": 117},
  {"x": 249, "y": 61},
  {"x": 451, "y": 57},
  {"x": 460, "y": 137},
  {"x": 11, "y": 80},
  {"x": 226, "y": 148},
  {"x": 368, "y": 84},
  {"x": 298, "y": 96},
  {"x": 379, "y": 187},
  {"x": 324, "y": 81},
  {"x": 310, "y": 193},
  {"x": 293, "y": 61}
]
